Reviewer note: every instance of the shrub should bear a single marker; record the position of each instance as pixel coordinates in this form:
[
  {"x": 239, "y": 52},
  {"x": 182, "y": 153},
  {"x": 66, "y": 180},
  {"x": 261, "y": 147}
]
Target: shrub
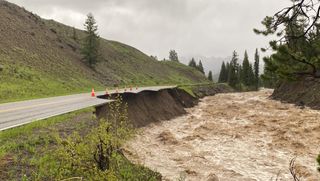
[{"x": 98, "y": 155}]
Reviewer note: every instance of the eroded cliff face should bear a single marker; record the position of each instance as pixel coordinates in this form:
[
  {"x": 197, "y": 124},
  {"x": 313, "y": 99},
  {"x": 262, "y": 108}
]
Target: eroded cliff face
[
  {"x": 151, "y": 106},
  {"x": 305, "y": 92}
]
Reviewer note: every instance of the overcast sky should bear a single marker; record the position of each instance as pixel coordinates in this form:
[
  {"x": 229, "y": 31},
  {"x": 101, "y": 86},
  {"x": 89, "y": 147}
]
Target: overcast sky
[{"x": 191, "y": 27}]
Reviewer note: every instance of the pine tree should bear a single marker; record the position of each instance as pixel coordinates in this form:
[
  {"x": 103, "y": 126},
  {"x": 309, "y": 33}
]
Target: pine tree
[
  {"x": 200, "y": 67},
  {"x": 74, "y": 34},
  {"x": 251, "y": 76},
  {"x": 297, "y": 52},
  {"x": 210, "y": 77},
  {"x": 90, "y": 49},
  {"x": 223, "y": 76},
  {"x": 227, "y": 72},
  {"x": 193, "y": 63},
  {"x": 233, "y": 76},
  {"x": 245, "y": 72},
  {"x": 256, "y": 69},
  {"x": 173, "y": 56}
]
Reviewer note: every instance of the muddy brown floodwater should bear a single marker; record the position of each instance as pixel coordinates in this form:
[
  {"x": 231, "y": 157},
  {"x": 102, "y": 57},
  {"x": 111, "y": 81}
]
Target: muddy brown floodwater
[{"x": 232, "y": 137}]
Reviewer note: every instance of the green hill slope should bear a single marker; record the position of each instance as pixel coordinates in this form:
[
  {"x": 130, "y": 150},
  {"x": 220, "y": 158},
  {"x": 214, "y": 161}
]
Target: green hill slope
[{"x": 40, "y": 58}]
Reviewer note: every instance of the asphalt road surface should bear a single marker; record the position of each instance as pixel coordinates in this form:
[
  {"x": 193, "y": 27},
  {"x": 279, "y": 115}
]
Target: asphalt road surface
[{"x": 20, "y": 113}]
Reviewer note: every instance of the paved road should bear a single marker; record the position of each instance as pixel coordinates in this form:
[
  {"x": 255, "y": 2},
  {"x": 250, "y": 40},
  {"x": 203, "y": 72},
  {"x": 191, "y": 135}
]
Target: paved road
[{"x": 20, "y": 113}]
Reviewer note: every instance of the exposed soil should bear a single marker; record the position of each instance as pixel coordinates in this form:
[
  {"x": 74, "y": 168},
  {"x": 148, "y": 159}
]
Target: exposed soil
[
  {"x": 238, "y": 136},
  {"x": 305, "y": 92},
  {"x": 150, "y": 106}
]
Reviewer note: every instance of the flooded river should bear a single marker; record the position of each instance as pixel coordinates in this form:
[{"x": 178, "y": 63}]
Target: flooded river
[{"x": 232, "y": 137}]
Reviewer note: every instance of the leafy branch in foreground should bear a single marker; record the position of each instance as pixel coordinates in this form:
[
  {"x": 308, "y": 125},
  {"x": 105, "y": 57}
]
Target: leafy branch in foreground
[{"x": 297, "y": 48}]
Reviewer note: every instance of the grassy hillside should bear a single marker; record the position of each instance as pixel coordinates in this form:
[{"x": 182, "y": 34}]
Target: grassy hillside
[{"x": 40, "y": 58}]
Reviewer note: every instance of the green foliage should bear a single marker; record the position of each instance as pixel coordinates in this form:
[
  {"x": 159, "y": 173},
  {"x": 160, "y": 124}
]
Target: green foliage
[
  {"x": 246, "y": 70},
  {"x": 71, "y": 146},
  {"x": 173, "y": 56},
  {"x": 296, "y": 53},
  {"x": 98, "y": 155},
  {"x": 224, "y": 71},
  {"x": 90, "y": 49},
  {"x": 52, "y": 67},
  {"x": 233, "y": 74},
  {"x": 210, "y": 76},
  {"x": 200, "y": 67},
  {"x": 192, "y": 63},
  {"x": 256, "y": 69},
  {"x": 241, "y": 77}
]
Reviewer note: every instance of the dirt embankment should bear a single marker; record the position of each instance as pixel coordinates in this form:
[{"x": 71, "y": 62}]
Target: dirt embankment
[
  {"x": 150, "y": 106},
  {"x": 302, "y": 93}
]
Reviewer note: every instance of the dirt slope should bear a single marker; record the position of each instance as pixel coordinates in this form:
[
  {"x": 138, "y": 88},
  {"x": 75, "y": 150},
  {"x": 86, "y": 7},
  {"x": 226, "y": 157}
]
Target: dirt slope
[
  {"x": 302, "y": 93},
  {"x": 41, "y": 58},
  {"x": 238, "y": 136}
]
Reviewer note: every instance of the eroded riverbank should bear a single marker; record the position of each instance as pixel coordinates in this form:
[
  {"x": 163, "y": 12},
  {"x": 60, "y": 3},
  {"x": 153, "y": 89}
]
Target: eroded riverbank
[{"x": 239, "y": 136}]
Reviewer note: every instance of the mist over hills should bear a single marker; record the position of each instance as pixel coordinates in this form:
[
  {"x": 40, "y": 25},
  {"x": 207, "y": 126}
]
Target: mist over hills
[{"x": 209, "y": 63}]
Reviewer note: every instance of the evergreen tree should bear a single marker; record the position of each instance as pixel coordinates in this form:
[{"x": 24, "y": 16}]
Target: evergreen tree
[
  {"x": 297, "y": 52},
  {"x": 173, "y": 56},
  {"x": 256, "y": 69},
  {"x": 74, "y": 34},
  {"x": 200, "y": 67},
  {"x": 251, "y": 76},
  {"x": 210, "y": 77},
  {"x": 227, "y": 72},
  {"x": 223, "y": 76},
  {"x": 233, "y": 76},
  {"x": 193, "y": 63},
  {"x": 239, "y": 74},
  {"x": 245, "y": 72},
  {"x": 90, "y": 49}
]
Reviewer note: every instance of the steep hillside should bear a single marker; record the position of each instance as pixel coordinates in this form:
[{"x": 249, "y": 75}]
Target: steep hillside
[{"x": 41, "y": 58}]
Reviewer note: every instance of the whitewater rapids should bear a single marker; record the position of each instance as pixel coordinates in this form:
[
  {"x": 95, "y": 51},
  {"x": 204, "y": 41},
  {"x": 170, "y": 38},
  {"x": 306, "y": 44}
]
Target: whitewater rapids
[{"x": 231, "y": 137}]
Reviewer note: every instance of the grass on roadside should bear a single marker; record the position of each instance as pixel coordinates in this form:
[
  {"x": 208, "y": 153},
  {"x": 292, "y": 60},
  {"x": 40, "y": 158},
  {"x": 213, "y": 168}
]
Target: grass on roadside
[{"x": 30, "y": 152}]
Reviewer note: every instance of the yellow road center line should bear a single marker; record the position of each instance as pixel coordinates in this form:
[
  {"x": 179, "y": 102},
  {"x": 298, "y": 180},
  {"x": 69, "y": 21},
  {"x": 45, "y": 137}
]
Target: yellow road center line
[{"x": 37, "y": 105}]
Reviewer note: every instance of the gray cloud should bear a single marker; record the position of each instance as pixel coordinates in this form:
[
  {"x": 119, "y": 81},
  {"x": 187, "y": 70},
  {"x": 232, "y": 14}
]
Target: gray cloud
[{"x": 192, "y": 27}]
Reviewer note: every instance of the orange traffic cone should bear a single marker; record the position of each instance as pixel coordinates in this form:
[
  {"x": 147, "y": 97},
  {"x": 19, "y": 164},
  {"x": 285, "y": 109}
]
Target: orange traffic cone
[{"x": 92, "y": 93}]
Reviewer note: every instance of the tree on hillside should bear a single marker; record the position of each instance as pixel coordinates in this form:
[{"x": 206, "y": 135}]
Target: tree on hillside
[
  {"x": 173, "y": 56},
  {"x": 297, "y": 49},
  {"x": 200, "y": 67},
  {"x": 90, "y": 49},
  {"x": 233, "y": 75},
  {"x": 74, "y": 34},
  {"x": 245, "y": 72},
  {"x": 227, "y": 71},
  {"x": 256, "y": 69},
  {"x": 154, "y": 57},
  {"x": 193, "y": 63},
  {"x": 223, "y": 76},
  {"x": 210, "y": 77},
  {"x": 251, "y": 76}
]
